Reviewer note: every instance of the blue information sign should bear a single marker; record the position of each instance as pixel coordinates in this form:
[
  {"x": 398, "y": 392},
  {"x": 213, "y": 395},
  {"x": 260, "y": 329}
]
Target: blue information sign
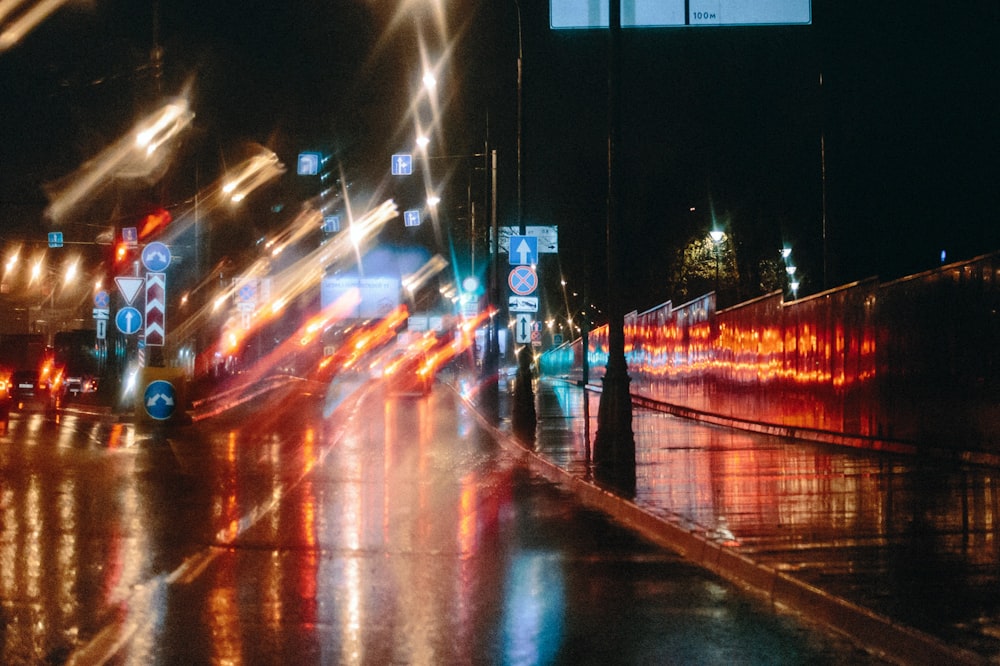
[
  {"x": 160, "y": 399},
  {"x": 402, "y": 164},
  {"x": 308, "y": 164},
  {"x": 55, "y": 239},
  {"x": 156, "y": 257},
  {"x": 128, "y": 320},
  {"x": 523, "y": 250},
  {"x": 411, "y": 218}
]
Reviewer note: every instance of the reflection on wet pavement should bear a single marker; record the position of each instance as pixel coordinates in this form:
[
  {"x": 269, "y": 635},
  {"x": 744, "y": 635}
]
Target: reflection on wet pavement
[{"x": 915, "y": 540}]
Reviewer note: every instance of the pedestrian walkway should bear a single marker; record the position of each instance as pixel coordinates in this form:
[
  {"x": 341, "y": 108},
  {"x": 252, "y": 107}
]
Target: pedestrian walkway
[{"x": 901, "y": 553}]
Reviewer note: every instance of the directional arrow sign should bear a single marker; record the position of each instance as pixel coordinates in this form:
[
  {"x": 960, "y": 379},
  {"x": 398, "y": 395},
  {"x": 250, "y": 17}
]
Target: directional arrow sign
[
  {"x": 128, "y": 320},
  {"x": 523, "y": 250},
  {"x": 522, "y": 329},
  {"x": 156, "y": 257},
  {"x": 160, "y": 399},
  {"x": 402, "y": 164}
]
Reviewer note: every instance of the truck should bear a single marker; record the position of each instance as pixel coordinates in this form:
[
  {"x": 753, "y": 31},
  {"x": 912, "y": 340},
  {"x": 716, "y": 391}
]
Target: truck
[{"x": 77, "y": 360}]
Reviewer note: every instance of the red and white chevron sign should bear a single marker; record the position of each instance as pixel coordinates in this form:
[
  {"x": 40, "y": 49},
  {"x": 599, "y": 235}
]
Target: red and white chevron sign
[{"x": 156, "y": 309}]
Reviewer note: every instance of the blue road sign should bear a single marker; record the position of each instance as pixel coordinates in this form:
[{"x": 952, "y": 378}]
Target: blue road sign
[
  {"x": 156, "y": 257},
  {"x": 160, "y": 399},
  {"x": 523, "y": 250},
  {"x": 131, "y": 236},
  {"x": 55, "y": 239},
  {"x": 523, "y": 280},
  {"x": 411, "y": 218},
  {"x": 128, "y": 320},
  {"x": 308, "y": 164},
  {"x": 331, "y": 224},
  {"x": 402, "y": 164},
  {"x": 102, "y": 299}
]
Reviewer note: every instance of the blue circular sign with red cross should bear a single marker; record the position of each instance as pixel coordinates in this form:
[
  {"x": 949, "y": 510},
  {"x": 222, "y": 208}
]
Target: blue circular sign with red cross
[{"x": 523, "y": 280}]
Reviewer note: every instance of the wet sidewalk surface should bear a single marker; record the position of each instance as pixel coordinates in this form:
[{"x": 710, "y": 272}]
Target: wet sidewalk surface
[{"x": 877, "y": 545}]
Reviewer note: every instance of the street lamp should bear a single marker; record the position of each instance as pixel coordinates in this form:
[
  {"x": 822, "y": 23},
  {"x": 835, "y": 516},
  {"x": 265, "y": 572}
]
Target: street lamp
[{"x": 717, "y": 236}]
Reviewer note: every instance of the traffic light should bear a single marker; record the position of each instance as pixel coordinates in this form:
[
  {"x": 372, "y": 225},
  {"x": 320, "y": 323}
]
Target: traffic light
[{"x": 121, "y": 253}]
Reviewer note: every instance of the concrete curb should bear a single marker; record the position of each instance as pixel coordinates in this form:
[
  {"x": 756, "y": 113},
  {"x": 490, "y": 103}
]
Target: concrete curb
[{"x": 871, "y": 631}]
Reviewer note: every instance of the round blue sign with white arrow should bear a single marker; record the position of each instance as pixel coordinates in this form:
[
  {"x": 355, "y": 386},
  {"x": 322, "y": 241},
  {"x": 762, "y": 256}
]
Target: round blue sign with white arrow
[
  {"x": 128, "y": 320},
  {"x": 160, "y": 399},
  {"x": 156, "y": 257}
]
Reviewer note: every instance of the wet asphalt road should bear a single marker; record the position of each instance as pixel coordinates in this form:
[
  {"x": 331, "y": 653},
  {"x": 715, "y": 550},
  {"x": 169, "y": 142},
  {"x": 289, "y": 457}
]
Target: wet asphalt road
[{"x": 311, "y": 529}]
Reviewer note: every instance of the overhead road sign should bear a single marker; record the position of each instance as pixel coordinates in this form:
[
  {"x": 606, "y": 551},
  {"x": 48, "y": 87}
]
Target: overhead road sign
[
  {"x": 523, "y": 250},
  {"x": 308, "y": 164},
  {"x": 570, "y": 14},
  {"x": 130, "y": 235},
  {"x": 331, "y": 224},
  {"x": 402, "y": 164}
]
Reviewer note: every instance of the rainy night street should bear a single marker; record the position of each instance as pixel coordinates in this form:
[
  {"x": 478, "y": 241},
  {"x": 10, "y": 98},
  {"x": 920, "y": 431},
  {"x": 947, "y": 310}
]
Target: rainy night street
[{"x": 328, "y": 527}]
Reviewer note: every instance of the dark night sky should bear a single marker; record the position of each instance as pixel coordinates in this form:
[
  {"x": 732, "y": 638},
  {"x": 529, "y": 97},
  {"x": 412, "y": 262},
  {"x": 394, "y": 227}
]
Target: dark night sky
[{"x": 728, "y": 119}]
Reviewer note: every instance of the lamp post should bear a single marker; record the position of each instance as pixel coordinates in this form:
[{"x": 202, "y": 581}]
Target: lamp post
[
  {"x": 717, "y": 237},
  {"x": 614, "y": 443}
]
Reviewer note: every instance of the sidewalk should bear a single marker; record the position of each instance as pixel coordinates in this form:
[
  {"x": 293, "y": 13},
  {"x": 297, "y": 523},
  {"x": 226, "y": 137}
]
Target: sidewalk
[{"x": 899, "y": 553}]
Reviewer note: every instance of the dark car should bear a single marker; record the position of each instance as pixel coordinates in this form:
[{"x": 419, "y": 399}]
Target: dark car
[{"x": 27, "y": 386}]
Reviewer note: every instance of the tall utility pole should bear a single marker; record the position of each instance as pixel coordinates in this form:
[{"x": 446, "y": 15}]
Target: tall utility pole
[{"x": 614, "y": 444}]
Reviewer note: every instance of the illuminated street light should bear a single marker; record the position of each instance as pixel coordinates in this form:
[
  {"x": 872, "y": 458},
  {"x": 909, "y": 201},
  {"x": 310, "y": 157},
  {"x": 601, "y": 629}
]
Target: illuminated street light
[
  {"x": 717, "y": 237},
  {"x": 430, "y": 81},
  {"x": 71, "y": 272}
]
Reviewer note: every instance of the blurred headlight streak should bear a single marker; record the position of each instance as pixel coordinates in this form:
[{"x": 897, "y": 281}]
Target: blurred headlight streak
[
  {"x": 134, "y": 156},
  {"x": 251, "y": 174},
  {"x": 296, "y": 279},
  {"x": 419, "y": 278},
  {"x": 25, "y": 21}
]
